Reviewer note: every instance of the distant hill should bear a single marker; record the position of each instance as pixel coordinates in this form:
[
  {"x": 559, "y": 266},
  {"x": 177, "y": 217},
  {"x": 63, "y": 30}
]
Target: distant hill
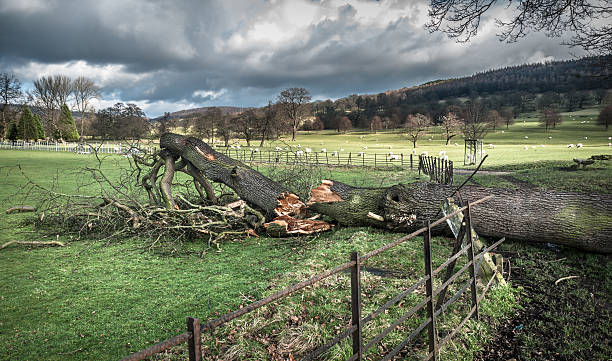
[{"x": 188, "y": 113}]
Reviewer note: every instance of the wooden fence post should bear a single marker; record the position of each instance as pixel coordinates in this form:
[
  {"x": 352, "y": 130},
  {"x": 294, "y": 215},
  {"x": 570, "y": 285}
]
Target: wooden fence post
[
  {"x": 356, "y": 305},
  {"x": 195, "y": 342},
  {"x": 468, "y": 229},
  {"x": 433, "y": 339}
]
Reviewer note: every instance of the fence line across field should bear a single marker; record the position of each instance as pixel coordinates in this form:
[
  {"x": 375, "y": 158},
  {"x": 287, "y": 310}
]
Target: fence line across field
[
  {"x": 73, "y": 147},
  {"x": 433, "y": 309}
]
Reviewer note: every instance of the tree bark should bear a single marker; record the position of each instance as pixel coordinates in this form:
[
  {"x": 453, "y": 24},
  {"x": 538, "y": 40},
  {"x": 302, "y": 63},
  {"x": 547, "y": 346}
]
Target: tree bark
[{"x": 577, "y": 220}]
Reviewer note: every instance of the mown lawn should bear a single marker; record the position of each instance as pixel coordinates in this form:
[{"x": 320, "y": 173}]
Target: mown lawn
[{"x": 103, "y": 298}]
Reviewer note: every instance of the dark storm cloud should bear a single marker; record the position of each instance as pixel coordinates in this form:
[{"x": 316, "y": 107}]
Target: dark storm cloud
[{"x": 193, "y": 53}]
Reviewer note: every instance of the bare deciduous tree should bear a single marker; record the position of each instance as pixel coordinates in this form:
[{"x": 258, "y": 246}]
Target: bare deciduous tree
[
  {"x": 415, "y": 125},
  {"x": 586, "y": 20},
  {"x": 550, "y": 116},
  {"x": 451, "y": 125},
  {"x": 475, "y": 121},
  {"x": 84, "y": 91},
  {"x": 292, "y": 103},
  {"x": 50, "y": 93},
  {"x": 10, "y": 90}
]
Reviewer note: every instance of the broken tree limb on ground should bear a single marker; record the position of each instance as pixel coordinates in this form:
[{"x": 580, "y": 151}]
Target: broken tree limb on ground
[{"x": 577, "y": 220}]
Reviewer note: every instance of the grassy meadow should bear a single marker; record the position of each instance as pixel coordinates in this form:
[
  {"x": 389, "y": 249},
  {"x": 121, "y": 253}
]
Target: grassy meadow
[{"x": 102, "y": 298}]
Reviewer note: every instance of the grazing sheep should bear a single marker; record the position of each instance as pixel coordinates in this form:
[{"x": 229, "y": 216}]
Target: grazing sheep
[
  {"x": 549, "y": 137},
  {"x": 502, "y": 132},
  {"x": 526, "y": 137},
  {"x": 308, "y": 150},
  {"x": 609, "y": 144},
  {"x": 456, "y": 145},
  {"x": 278, "y": 149},
  {"x": 299, "y": 152},
  {"x": 299, "y": 146},
  {"x": 570, "y": 146},
  {"x": 232, "y": 147},
  {"x": 334, "y": 153},
  {"x": 579, "y": 145},
  {"x": 390, "y": 147},
  {"x": 444, "y": 157},
  {"x": 360, "y": 154},
  {"x": 413, "y": 151},
  {"x": 365, "y": 147},
  {"x": 442, "y": 152},
  {"x": 238, "y": 146},
  {"x": 394, "y": 157},
  {"x": 342, "y": 149},
  {"x": 323, "y": 150},
  {"x": 609, "y": 138},
  {"x": 429, "y": 139},
  {"x": 424, "y": 153},
  {"x": 525, "y": 147},
  {"x": 533, "y": 147},
  {"x": 542, "y": 145},
  {"x": 256, "y": 150},
  {"x": 390, "y": 154},
  {"x": 585, "y": 138}
]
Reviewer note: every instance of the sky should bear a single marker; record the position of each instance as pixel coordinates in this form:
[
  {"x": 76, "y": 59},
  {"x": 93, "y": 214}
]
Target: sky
[{"x": 171, "y": 55}]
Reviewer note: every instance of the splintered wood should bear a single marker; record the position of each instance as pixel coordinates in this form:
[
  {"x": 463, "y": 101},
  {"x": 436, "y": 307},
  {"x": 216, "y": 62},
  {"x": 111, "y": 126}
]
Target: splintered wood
[
  {"x": 286, "y": 225},
  {"x": 323, "y": 193},
  {"x": 289, "y": 205},
  {"x": 289, "y": 210}
]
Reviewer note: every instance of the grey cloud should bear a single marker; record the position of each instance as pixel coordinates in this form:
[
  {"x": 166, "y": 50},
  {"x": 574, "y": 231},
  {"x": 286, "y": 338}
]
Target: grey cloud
[{"x": 181, "y": 47}]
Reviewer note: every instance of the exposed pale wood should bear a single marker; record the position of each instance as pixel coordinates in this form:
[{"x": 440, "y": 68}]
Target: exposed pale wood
[
  {"x": 34, "y": 243},
  {"x": 20, "y": 209}
]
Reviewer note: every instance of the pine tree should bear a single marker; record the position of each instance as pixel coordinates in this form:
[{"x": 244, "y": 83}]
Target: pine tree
[
  {"x": 67, "y": 128},
  {"x": 12, "y": 132},
  {"x": 40, "y": 131},
  {"x": 26, "y": 126}
]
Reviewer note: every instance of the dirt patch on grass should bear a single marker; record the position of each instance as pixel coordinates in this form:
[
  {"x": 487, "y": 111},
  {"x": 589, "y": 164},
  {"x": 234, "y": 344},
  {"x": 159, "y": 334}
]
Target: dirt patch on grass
[{"x": 567, "y": 321}]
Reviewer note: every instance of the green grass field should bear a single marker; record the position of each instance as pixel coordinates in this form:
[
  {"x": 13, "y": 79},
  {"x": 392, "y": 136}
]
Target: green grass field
[{"x": 103, "y": 298}]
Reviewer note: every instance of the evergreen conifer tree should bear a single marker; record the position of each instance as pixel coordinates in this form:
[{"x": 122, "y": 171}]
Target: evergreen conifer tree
[
  {"x": 12, "y": 133},
  {"x": 40, "y": 131},
  {"x": 27, "y": 125},
  {"x": 67, "y": 127}
]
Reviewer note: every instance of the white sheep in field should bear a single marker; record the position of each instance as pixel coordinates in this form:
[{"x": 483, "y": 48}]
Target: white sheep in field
[
  {"x": 334, "y": 153},
  {"x": 609, "y": 138},
  {"x": 526, "y": 137},
  {"x": 299, "y": 146},
  {"x": 413, "y": 151},
  {"x": 256, "y": 150},
  {"x": 278, "y": 149},
  {"x": 585, "y": 138},
  {"x": 456, "y": 145},
  {"x": 342, "y": 149},
  {"x": 238, "y": 146},
  {"x": 365, "y": 147},
  {"x": 525, "y": 147},
  {"x": 491, "y": 146},
  {"x": 542, "y": 145},
  {"x": 533, "y": 147},
  {"x": 308, "y": 150},
  {"x": 232, "y": 146},
  {"x": 444, "y": 157},
  {"x": 390, "y": 154},
  {"x": 391, "y": 147},
  {"x": 323, "y": 150},
  {"x": 442, "y": 152},
  {"x": 609, "y": 144},
  {"x": 424, "y": 153},
  {"x": 570, "y": 145},
  {"x": 360, "y": 154},
  {"x": 394, "y": 157},
  {"x": 299, "y": 152},
  {"x": 579, "y": 145}
]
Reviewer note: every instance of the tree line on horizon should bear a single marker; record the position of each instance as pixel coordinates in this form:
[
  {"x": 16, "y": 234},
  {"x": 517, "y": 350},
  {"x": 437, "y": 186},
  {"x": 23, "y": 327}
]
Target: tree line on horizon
[{"x": 471, "y": 106}]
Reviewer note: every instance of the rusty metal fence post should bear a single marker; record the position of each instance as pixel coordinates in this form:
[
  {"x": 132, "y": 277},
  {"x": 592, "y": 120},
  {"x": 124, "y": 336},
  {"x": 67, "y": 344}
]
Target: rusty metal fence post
[
  {"x": 433, "y": 339},
  {"x": 194, "y": 344},
  {"x": 468, "y": 228},
  {"x": 356, "y": 305}
]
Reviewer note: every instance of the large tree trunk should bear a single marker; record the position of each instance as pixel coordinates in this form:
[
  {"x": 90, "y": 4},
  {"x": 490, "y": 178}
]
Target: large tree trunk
[{"x": 577, "y": 220}]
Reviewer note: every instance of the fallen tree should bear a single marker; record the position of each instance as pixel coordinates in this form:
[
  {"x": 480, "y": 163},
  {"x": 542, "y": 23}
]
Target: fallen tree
[{"x": 576, "y": 220}]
